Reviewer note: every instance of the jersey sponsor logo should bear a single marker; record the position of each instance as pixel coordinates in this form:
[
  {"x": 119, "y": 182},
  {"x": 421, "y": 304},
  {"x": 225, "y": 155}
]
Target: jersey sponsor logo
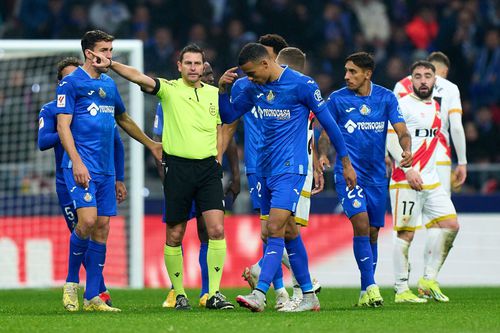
[
  {"x": 257, "y": 112},
  {"x": 87, "y": 197},
  {"x": 365, "y": 110},
  {"x": 212, "y": 110},
  {"x": 350, "y": 110},
  {"x": 102, "y": 93},
  {"x": 279, "y": 114},
  {"x": 270, "y": 96},
  {"x": 41, "y": 123},
  {"x": 61, "y": 100},
  {"x": 90, "y": 92},
  {"x": 426, "y": 132},
  {"x": 377, "y": 126},
  {"x": 93, "y": 108}
]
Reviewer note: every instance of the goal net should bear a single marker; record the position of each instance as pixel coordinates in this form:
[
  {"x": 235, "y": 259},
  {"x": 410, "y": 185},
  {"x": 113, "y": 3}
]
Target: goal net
[{"x": 34, "y": 238}]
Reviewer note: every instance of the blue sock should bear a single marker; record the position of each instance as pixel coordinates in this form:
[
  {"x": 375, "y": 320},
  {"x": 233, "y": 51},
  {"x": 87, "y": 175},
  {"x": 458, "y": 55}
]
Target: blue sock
[
  {"x": 299, "y": 263},
  {"x": 96, "y": 256},
  {"x": 264, "y": 246},
  {"x": 102, "y": 286},
  {"x": 278, "y": 279},
  {"x": 204, "y": 268},
  {"x": 364, "y": 258},
  {"x": 271, "y": 262},
  {"x": 375, "y": 256},
  {"x": 77, "y": 250}
]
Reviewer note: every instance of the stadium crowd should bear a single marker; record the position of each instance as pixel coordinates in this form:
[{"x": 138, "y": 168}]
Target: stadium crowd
[{"x": 397, "y": 32}]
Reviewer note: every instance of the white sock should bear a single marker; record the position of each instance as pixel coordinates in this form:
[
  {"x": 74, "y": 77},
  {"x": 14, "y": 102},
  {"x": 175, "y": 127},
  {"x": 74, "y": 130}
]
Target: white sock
[
  {"x": 401, "y": 265},
  {"x": 437, "y": 246}
]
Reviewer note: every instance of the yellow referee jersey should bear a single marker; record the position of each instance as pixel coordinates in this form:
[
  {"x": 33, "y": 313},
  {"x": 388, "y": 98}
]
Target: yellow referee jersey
[{"x": 190, "y": 119}]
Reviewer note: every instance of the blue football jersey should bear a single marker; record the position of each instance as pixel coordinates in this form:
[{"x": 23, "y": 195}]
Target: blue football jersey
[
  {"x": 363, "y": 123},
  {"x": 252, "y": 128},
  {"x": 49, "y": 138},
  {"x": 284, "y": 106},
  {"x": 158, "y": 122},
  {"x": 93, "y": 104}
]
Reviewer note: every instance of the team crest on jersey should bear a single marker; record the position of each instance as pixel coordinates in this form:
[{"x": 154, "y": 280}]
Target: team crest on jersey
[
  {"x": 356, "y": 203},
  {"x": 41, "y": 123},
  {"x": 364, "y": 110},
  {"x": 317, "y": 95},
  {"x": 87, "y": 197},
  {"x": 270, "y": 96},
  {"x": 212, "y": 110},
  {"x": 102, "y": 93}
]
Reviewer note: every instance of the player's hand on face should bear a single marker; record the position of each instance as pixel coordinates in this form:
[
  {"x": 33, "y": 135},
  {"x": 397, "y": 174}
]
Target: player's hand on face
[
  {"x": 121, "y": 191},
  {"x": 460, "y": 175},
  {"x": 99, "y": 60},
  {"x": 324, "y": 162},
  {"x": 319, "y": 181},
  {"x": 407, "y": 159},
  {"x": 414, "y": 179},
  {"x": 81, "y": 174},
  {"x": 227, "y": 79}
]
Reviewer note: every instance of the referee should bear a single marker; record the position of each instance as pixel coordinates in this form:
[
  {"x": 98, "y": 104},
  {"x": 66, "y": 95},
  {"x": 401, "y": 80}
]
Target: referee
[{"x": 190, "y": 147}]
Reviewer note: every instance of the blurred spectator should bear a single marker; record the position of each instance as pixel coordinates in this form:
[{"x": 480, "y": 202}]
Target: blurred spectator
[
  {"x": 388, "y": 75},
  {"x": 237, "y": 38},
  {"x": 339, "y": 24},
  {"x": 33, "y": 14},
  {"x": 488, "y": 133},
  {"x": 372, "y": 17},
  {"x": 333, "y": 62},
  {"x": 111, "y": 16},
  {"x": 485, "y": 87},
  {"x": 141, "y": 24},
  {"x": 159, "y": 55},
  {"x": 423, "y": 28},
  {"x": 78, "y": 22},
  {"x": 53, "y": 27}
]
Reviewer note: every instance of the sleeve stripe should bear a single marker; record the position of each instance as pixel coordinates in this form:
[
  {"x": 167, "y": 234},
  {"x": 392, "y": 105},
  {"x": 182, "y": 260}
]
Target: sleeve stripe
[
  {"x": 390, "y": 130},
  {"x": 455, "y": 111}
]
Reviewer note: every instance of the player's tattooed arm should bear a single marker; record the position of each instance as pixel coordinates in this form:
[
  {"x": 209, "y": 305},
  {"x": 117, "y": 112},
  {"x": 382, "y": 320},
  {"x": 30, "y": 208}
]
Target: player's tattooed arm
[{"x": 324, "y": 145}]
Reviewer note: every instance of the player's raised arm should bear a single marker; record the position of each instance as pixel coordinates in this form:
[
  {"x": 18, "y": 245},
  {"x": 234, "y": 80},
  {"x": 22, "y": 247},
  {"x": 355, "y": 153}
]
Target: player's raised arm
[{"x": 129, "y": 73}]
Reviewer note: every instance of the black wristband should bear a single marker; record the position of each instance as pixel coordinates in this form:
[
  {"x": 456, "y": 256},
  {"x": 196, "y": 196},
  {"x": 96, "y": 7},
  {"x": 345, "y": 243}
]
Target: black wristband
[{"x": 110, "y": 63}]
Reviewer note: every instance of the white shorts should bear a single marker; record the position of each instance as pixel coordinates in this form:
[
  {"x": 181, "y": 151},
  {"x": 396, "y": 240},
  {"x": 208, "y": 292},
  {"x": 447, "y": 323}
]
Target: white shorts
[
  {"x": 304, "y": 204},
  {"x": 409, "y": 207}
]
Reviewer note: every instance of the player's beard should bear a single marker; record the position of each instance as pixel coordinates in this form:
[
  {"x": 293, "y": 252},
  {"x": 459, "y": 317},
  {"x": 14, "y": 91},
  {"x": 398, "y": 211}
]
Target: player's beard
[{"x": 424, "y": 95}]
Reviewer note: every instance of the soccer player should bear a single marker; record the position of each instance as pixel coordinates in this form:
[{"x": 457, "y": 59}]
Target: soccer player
[
  {"x": 274, "y": 44},
  {"x": 192, "y": 154},
  {"x": 285, "y": 98},
  {"x": 48, "y": 138},
  {"x": 362, "y": 110},
  {"x": 88, "y": 104},
  {"x": 417, "y": 191},
  {"x": 232, "y": 153},
  {"x": 446, "y": 93}
]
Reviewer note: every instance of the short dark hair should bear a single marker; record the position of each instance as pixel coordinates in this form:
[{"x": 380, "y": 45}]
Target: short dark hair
[
  {"x": 94, "y": 36},
  {"x": 439, "y": 57},
  {"x": 192, "y": 48},
  {"x": 252, "y": 52},
  {"x": 422, "y": 63},
  {"x": 362, "y": 59},
  {"x": 68, "y": 61},
  {"x": 292, "y": 57},
  {"x": 275, "y": 41}
]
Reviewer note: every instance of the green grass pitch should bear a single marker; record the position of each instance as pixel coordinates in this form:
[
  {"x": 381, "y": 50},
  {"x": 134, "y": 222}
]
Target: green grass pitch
[{"x": 470, "y": 310}]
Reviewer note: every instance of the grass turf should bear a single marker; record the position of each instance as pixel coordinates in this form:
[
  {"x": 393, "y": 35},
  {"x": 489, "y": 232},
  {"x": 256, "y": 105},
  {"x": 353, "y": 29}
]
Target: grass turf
[{"x": 470, "y": 310}]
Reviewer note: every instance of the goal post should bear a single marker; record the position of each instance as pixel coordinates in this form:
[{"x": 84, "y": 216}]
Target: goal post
[{"x": 32, "y": 231}]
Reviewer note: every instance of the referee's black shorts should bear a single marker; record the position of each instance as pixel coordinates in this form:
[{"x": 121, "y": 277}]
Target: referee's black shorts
[{"x": 188, "y": 179}]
